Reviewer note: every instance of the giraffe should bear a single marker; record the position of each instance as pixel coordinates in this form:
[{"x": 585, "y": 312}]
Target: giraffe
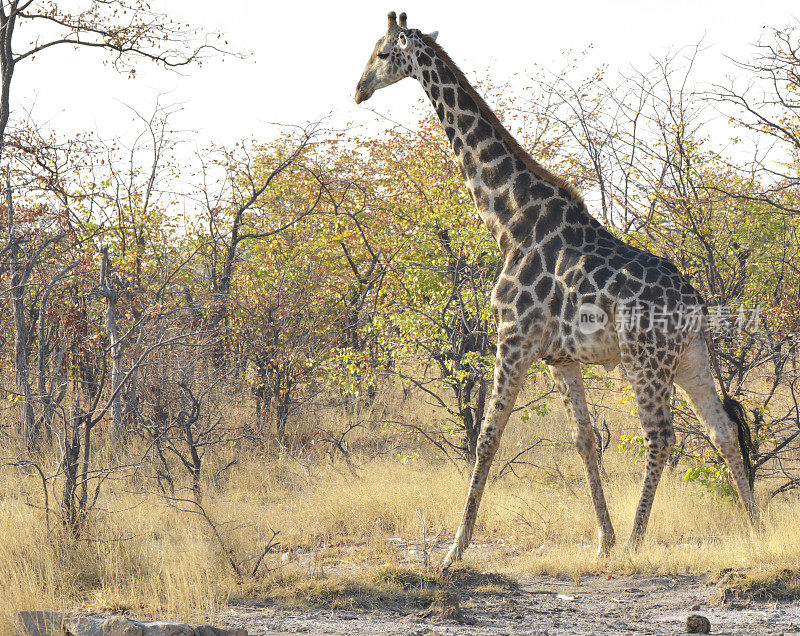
[{"x": 569, "y": 293}]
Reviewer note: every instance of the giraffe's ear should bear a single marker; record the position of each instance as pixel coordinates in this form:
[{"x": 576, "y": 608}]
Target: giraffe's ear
[
  {"x": 402, "y": 41},
  {"x": 433, "y": 35}
]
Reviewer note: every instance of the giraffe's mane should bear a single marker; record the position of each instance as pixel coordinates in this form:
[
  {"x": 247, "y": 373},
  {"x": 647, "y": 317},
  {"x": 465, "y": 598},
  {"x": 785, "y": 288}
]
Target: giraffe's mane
[{"x": 488, "y": 113}]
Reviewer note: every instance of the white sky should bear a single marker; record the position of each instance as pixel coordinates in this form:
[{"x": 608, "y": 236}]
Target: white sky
[{"x": 305, "y": 57}]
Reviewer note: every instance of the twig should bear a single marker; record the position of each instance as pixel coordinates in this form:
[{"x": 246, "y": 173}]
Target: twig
[
  {"x": 271, "y": 544},
  {"x": 425, "y": 556}
]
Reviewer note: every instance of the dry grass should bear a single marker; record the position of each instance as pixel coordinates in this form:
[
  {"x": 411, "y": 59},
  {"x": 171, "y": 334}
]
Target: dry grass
[
  {"x": 355, "y": 526},
  {"x": 765, "y": 583},
  {"x": 386, "y": 586}
]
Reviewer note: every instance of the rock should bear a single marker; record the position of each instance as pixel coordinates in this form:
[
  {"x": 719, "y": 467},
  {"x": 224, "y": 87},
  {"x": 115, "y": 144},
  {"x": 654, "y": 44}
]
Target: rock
[
  {"x": 121, "y": 626},
  {"x": 36, "y": 623},
  {"x": 695, "y": 607},
  {"x": 697, "y": 624},
  {"x": 166, "y": 628},
  {"x": 84, "y": 625},
  {"x": 209, "y": 630}
]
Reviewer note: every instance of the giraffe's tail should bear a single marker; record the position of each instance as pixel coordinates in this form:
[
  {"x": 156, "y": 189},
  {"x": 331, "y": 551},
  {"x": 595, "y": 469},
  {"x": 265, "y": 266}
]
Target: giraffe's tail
[
  {"x": 736, "y": 412},
  {"x": 732, "y": 407}
]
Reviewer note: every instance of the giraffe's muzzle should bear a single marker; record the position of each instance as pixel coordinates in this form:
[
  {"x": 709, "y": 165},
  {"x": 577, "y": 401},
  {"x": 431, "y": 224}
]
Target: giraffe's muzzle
[
  {"x": 362, "y": 95},
  {"x": 365, "y": 88}
]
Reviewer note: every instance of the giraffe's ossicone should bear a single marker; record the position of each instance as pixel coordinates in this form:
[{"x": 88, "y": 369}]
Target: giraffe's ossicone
[{"x": 569, "y": 293}]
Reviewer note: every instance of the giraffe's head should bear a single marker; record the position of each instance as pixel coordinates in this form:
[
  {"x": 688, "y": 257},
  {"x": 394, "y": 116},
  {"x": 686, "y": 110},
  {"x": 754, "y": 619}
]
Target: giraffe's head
[{"x": 391, "y": 60}]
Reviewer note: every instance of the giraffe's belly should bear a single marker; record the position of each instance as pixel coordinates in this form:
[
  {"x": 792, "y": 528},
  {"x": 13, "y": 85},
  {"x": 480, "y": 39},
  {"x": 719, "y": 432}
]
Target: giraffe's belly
[{"x": 581, "y": 339}]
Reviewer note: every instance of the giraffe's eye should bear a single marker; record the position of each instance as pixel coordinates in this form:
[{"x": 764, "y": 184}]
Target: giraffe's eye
[{"x": 383, "y": 56}]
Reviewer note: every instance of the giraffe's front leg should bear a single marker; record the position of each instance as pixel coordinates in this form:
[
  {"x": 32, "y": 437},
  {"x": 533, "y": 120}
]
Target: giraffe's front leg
[{"x": 510, "y": 368}]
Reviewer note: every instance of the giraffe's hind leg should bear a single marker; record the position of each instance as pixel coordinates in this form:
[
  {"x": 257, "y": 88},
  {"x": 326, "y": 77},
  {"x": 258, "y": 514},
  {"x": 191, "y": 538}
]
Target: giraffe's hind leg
[
  {"x": 659, "y": 440},
  {"x": 651, "y": 377},
  {"x": 569, "y": 383},
  {"x": 695, "y": 381}
]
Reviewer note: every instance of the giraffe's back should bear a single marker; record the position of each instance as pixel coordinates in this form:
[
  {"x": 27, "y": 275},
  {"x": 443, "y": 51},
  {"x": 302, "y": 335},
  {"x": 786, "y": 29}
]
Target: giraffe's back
[{"x": 576, "y": 291}]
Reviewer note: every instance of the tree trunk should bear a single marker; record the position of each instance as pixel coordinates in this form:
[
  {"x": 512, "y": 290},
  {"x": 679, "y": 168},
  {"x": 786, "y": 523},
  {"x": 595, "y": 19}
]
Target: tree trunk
[
  {"x": 72, "y": 452},
  {"x": 52, "y": 396},
  {"x": 109, "y": 292},
  {"x": 19, "y": 279}
]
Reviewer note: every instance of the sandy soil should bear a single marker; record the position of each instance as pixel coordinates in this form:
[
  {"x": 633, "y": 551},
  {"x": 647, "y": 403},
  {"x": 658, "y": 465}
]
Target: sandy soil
[{"x": 542, "y": 605}]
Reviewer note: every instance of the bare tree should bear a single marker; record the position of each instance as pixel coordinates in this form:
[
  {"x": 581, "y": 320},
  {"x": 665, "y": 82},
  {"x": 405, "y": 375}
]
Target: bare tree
[
  {"x": 766, "y": 105},
  {"x": 243, "y": 193},
  {"x": 127, "y": 30},
  {"x": 24, "y": 254}
]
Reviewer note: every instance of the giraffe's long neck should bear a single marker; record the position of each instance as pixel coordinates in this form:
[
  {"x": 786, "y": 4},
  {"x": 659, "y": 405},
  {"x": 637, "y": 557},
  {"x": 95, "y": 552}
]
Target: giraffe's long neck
[{"x": 508, "y": 194}]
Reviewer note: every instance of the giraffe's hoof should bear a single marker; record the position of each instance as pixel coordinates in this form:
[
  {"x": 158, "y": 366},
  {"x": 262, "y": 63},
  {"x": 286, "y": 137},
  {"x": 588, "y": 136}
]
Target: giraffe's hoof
[
  {"x": 628, "y": 550},
  {"x": 605, "y": 544},
  {"x": 631, "y": 547},
  {"x": 450, "y": 559},
  {"x": 447, "y": 563},
  {"x": 604, "y": 548}
]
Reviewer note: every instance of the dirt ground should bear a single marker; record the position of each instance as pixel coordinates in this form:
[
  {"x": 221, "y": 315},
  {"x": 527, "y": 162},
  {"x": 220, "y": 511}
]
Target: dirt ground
[{"x": 544, "y": 605}]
